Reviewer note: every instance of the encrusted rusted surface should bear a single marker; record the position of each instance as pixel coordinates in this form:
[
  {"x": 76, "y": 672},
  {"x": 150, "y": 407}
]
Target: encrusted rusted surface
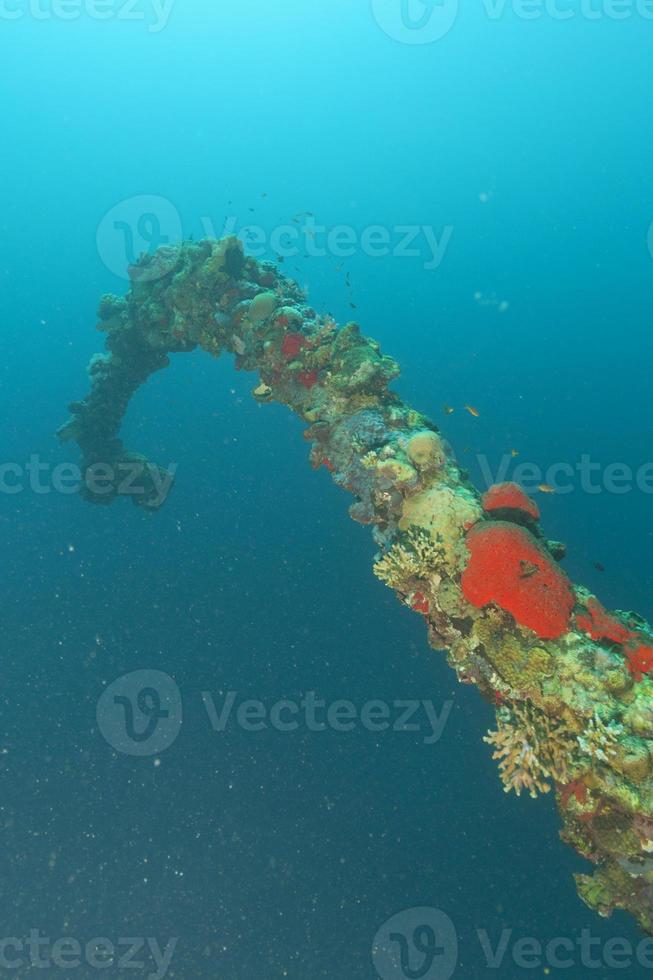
[{"x": 569, "y": 681}]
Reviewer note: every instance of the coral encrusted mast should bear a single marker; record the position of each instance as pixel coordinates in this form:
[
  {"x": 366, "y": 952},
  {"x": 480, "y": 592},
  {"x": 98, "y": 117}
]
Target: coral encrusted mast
[{"x": 570, "y": 682}]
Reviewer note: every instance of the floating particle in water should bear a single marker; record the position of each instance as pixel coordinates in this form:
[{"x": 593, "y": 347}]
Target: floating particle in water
[{"x": 491, "y": 301}]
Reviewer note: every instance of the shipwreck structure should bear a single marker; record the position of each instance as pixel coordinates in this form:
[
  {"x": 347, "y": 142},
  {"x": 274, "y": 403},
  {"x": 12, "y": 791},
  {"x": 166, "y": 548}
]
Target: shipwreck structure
[{"x": 571, "y": 683}]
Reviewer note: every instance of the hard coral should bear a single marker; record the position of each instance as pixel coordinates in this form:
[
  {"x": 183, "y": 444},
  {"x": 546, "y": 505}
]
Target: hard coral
[
  {"x": 509, "y": 567},
  {"x": 523, "y": 668},
  {"x": 510, "y": 497},
  {"x": 600, "y": 741},
  {"x": 262, "y": 307},
  {"x": 532, "y": 749},
  {"x": 417, "y": 555},
  {"x": 425, "y": 450},
  {"x": 443, "y": 512}
]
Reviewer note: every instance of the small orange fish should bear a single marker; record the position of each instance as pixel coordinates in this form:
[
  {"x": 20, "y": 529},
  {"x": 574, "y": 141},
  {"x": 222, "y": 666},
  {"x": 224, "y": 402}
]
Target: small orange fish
[
  {"x": 448, "y": 410},
  {"x": 514, "y": 452},
  {"x": 473, "y": 411},
  {"x": 546, "y": 488}
]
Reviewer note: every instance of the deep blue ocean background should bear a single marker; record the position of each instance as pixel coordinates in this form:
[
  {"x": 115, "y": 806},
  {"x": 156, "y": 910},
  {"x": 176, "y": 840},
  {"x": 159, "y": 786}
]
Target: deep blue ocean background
[{"x": 274, "y": 855}]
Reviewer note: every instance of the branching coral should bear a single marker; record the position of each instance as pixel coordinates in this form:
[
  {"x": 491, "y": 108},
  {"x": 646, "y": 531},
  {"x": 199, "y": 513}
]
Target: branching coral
[
  {"x": 600, "y": 741},
  {"x": 531, "y": 748},
  {"x": 416, "y": 556}
]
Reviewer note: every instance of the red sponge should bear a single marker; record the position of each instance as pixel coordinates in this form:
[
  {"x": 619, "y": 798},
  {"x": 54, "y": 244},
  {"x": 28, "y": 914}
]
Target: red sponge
[
  {"x": 509, "y": 567},
  {"x": 601, "y": 625},
  {"x": 510, "y": 496}
]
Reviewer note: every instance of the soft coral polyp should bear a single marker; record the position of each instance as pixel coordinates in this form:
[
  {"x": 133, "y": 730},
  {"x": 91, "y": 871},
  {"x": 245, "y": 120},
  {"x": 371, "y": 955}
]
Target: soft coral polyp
[{"x": 508, "y": 567}]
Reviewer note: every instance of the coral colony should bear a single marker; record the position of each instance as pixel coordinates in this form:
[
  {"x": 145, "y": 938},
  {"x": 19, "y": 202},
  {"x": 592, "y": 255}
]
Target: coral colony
[{"x": 570, "y": 682}]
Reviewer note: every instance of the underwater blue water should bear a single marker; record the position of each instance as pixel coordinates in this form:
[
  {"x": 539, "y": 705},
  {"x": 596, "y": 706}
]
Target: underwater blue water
[{"x": 527, "y": 144}]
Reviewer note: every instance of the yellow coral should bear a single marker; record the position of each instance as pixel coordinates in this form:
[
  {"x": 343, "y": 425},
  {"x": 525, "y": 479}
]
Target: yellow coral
[
  {"x": 600, "y": 741},
  {"x": 521, "y": 667},
  {"x": 262, "y": 393},
  {"x": 216, "y": 262},
  {"x": 444, "y": 513},
  {"x": 425, "y": 450},
  {"x": 532, "y": 748},
  {"x": 262, "y": 307},
  {"x": 400, "y": 474},
  {"x": 415, "y": 557}
]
